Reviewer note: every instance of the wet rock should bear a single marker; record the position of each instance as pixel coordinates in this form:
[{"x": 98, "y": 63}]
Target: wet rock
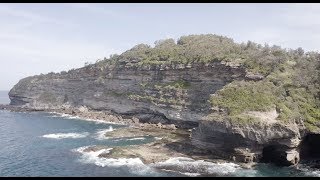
[
  {"x": 244, "y": 155},
  {"x": 293, "y": 157}
]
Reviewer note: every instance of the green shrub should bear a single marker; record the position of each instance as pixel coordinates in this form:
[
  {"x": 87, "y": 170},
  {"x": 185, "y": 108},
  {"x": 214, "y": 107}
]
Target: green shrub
[{"x": 243, "y": 96}]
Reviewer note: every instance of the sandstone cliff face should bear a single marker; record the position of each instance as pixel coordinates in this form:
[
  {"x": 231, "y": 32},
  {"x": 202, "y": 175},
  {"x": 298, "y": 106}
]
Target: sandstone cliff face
[
  {"x": 167, "y": 94},
  {"x": 171, "y": 94}
]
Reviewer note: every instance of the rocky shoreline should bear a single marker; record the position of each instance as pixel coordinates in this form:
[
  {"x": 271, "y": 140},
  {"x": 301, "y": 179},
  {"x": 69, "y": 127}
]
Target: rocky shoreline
[
  {"x": 169, "y": 141},
  {"x": 85, "y": 113}
]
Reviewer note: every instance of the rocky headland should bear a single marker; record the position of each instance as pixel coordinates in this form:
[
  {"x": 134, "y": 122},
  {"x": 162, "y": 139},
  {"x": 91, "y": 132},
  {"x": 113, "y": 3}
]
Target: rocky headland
[{"x": 242, "y": 102}]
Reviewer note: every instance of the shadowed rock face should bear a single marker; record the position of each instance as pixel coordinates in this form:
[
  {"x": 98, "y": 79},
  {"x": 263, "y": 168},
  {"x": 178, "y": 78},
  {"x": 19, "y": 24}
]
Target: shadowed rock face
[
  {"x": 280, "y": 155},
  {"x": 174, "y": 94},
  {"x": 274, "y": 143},
  {"x": 310, "y": 147}
]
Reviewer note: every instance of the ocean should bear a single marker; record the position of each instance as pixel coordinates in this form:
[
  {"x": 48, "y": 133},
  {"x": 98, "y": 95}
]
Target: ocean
[
  {"x": 4, "y": 98},
  {"x": 45, "y": 144}
]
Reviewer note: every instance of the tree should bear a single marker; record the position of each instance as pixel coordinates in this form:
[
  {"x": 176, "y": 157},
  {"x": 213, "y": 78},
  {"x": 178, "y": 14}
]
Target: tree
[{"x": 300, "y": 51}]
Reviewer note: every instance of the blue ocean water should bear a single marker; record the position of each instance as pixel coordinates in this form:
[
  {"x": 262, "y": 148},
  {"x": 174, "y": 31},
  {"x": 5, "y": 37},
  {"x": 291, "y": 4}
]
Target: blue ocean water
[
  {"x": 44, "y": 144},
  {"x": 40, "y": 144}
]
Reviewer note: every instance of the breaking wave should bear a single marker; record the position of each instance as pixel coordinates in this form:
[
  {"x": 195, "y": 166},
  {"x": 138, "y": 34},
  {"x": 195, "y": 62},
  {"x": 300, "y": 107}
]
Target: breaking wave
[
  {"x": 66, "y": 135},
  {"x": 100, "y": 135},
  {"x": 190, "y": 167},
  {"x": 135, "y": 165},
  {"x": 181, "y": 165}
]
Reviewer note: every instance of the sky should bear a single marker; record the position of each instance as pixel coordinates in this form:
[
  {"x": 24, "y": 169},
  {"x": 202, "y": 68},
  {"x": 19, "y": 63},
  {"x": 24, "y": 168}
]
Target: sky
[{"x": 43, "y": 38}]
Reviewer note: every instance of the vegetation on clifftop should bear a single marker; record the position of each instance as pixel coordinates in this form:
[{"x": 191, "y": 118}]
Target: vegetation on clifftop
[
  {"x": 291, "y": 82},
  {"x": 243, "y": 96},
  {"x": 292, "y": 87},
  {"x": 207, "y": 48}
]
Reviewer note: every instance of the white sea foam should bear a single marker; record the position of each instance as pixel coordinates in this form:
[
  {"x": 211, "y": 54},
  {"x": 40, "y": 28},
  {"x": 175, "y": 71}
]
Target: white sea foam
[
  {"x": 131, "y": 139},
  {"x": 100, "y": 135},
  {"x": 134, "y": 165},
  {"x": 138, "y": 138},
  {"x": 191, "y": 174},
  {"x": 92, "y": 153},
  {"x": 53, "y": 116},
  {"x": 68, "y": 116},
  {"x": 309, "y": 171},
  {"x": 182, "y": 165},
  {"x": 66, "y": 135},
  {"x": 192, "y": 167},
  {"x": 158, "y": 138},
  {"x": 313, "y": 173},
  {"x": 116, "y": 140}
]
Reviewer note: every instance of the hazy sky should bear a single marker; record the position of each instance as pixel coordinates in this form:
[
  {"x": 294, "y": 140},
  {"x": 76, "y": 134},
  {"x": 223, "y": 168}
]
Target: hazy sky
[{"x": 40, "y": 38}]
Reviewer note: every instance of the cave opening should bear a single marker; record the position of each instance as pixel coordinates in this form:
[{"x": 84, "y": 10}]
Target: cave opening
[
  {"x": 267, "y": 153},
  {"x": 310, "y": 147},
  {"x": 277, "y": 154}
]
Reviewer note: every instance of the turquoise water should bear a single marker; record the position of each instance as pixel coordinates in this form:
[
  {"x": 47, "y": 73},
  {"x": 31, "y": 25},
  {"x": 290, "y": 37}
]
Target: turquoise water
[{"x": 44, "y": 144}]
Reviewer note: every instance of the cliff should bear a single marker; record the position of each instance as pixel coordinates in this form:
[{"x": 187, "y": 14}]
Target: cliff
[
  {"x": 243, "y": 101},
  {"x": 153, "y": 94}
]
